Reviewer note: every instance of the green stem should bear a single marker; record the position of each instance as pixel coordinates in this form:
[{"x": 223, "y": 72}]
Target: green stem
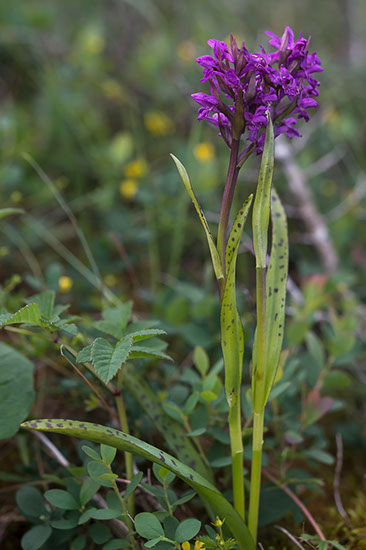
[
  {"x": 258, "y": 404},
  {"x": 125, "y": 513},
  {"x": 236, "y": 444},
  {"x": 170, "y": 508},
  {"x": 255, "y": 480},
  {"x": 124, "y": 426}
]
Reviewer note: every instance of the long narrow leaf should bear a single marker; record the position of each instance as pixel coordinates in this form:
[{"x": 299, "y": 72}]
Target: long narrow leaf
[
  {"x": 262, "y": 202},
  {"x": 231, "y": 327},
  {"x": 125, "y": 442},
  {"x": 276, "y": 290},
  {"x": 216, "y": 262}
]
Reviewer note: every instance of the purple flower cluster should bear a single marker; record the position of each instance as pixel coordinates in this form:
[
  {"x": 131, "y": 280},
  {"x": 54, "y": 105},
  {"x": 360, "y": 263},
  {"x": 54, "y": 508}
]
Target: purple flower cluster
[{"x": 280, "y": 82}]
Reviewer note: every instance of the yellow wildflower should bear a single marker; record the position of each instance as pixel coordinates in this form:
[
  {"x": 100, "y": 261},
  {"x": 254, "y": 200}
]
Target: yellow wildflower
[
  {"x": 186, "y": 51},
  {"x": 112, "y": 89},
  {"x": 4, "y": 251},
  {"x": 16, "y": 196},
  {"x": 110, "y": 279},
  {"x": 219, "y": 522},
  {"x": 158, "y": 123},
  {"x": 186, "y": 546},
  {"x": 204, "y": 152},
  {"x": 198, "y": 545},
  {"x": 136, "y": 169},
  {"x": 64, "y": 284},
  {"x": 128, "y": 189}
]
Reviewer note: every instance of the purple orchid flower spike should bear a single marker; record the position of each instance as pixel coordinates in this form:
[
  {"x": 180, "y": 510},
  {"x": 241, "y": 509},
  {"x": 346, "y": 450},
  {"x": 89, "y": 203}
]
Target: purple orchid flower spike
[{"x": 244, "y": 86}]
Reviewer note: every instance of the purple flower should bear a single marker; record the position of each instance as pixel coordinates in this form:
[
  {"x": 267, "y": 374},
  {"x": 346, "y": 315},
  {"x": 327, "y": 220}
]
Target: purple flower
[{"x": 245, "y": 86}]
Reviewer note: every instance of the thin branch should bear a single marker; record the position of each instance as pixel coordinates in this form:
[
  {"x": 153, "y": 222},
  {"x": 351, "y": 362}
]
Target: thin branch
[
  {"x": 290, "y": 536},
  {"x": 313, "y": 221}
]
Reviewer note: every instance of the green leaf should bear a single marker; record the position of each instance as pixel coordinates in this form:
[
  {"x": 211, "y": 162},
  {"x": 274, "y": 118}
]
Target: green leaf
[
  {"x": 79, "y": 543},
  {"x": 36, "y": 537},
  {"x": 147, "y": 353},
  {"x": 99, "y": 533},
  {"x": 262, "y": 202},
  {"x": 201, "y": 360},
  {"x": 16, "y": 390},
  {"x": 144, "y": 334},
  {"x": 216, "y": 262},
  {"x": 172, "y": 432},
  {"x": 108, "y": 454},
  {"x": 30, "y": 502},
  {"x": 125, "y": 442},
  {"x": 65, "y": 524},
  {"x": 232, "y": 334},
  {"x": 45, "y": 301},
  {"x": 115, "y": 320},
  {"x": 8, "y": 211},
  {"x": 91, "y": 453},
  {"x": 108, "y": 477},
  {"x": 148, "y": 526},
  {"x": 187, "y": 529},
  {"x": 153, "y": 542},
  {"x": 61, "y": 499},
  {"x": 84, "y": 356},
  {"x": 162, "y": 474},
  {"x": 88, "y": 490},
  {"x": 316, "y": 348},
  {"x": 108, "y": 359},
  {"x": 276, "y": 282},
  {"x": 95, "y": 470},
  {"x": 116, "y": 544},
  {"x": 132, "y": 485},
  {"x": 30, "y": 314},
  {"x": 105, "y": 514}
]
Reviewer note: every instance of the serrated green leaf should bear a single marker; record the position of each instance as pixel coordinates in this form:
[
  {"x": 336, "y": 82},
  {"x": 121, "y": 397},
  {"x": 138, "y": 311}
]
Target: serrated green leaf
[
  {"x": 216, "y": 262},
  {"x": 45, "y": 301},
  {"x": 232, "y": 334},
  {"x": 16, "y": 390},
  {"x": 262, "y": 202},
  {"x": 141, "y": 352},
  {"x": 115, "y": 320},
  {"x": 108, "y": 359},
  {"x": 30, "y": 314},
  {"x": 144, "y": 334},
  {"x": 84, "y": 356},
  {"x": 125, "y": 442}
]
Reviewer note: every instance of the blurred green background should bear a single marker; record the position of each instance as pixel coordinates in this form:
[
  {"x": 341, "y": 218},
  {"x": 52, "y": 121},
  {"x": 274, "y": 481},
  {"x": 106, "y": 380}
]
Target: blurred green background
[{"x": 98, "y": 93}]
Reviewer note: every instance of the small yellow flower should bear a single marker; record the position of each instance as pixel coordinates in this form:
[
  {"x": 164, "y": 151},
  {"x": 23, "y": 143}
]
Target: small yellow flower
[
  {"x": 204, "y": 152},
  {"x": 110, "y": 279},
  {"x": 136, "y": 169},
  {"x": 186, "y": 51},
  {"x": 219, "y": 522},
  {"x": 158, "y": 123},
  {"x": 198, "y": 545},
  {"x": 112, "y": 89},
  {"x": 128, "y": 189},
  {"x": 186, "y": 546},
  {"x": 4, "y": 251},
  {"x": 64, "y": 284},
  {"x": 16, "y": 196}
]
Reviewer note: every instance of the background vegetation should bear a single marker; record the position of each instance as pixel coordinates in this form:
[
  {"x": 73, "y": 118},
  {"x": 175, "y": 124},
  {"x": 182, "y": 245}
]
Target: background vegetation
[{"x": 94, "y": 96}]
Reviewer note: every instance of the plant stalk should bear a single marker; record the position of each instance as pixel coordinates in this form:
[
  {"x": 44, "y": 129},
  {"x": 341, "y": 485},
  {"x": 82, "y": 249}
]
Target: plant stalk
[
  {"x": 124, "y": 426},
  {"x": 227, "y": 199},
  {"x": 258, "y": 405},
  {"x": 236, "y": 444}
]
